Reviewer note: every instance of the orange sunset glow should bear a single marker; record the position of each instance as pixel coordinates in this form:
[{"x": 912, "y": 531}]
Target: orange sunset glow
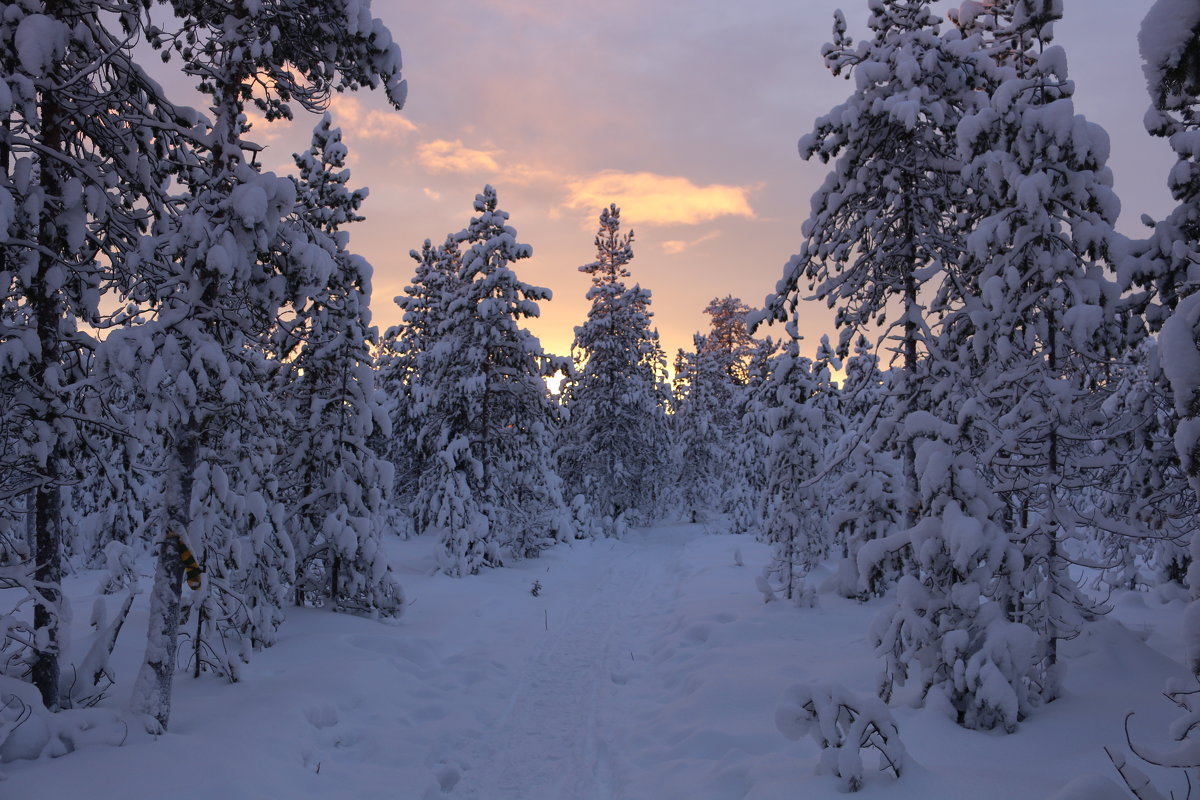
[{"x": 684, "y": 115}]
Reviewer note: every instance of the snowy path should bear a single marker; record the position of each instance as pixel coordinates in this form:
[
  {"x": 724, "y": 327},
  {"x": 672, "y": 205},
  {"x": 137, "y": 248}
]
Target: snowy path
[
  {"x": 553, "y": 740},
  {"x": 646, "y": 669}
]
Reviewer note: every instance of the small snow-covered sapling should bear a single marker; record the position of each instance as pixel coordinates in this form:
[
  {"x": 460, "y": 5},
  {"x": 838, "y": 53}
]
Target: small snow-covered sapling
[
  {"x": 536, "y": 589},
  {"x": 844, "y": 724}
]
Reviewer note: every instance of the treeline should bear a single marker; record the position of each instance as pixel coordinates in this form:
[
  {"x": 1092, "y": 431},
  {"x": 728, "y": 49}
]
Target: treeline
[{"x": 188, "y": 367}]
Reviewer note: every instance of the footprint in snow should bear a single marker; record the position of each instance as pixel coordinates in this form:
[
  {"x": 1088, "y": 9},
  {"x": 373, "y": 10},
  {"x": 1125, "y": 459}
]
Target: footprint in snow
[{"x": 322, "y": 716}]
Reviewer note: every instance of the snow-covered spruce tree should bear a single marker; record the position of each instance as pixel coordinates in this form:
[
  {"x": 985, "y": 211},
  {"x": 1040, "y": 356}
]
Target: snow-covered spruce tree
[
  {"x": 84, "y": 153},
  {"x": 616, "y": 435},
  {"x": 728, "y": 340},
  {"x": 700, "y": 426},
  {"x": 1043, "y": 331},
  {"x": 946, "y": 628},
  {"x": 793, "y": 515},
  {"x": 490, "y": 484},
  {"x": 1170, "y": 45},
  {"x": 884, "y": 224},
  {"x": 867, "y": 500},
  {"x": 337, "y": 485},
  {"x": 214, "y": 276},
  {"x": 731, "y": 347},
  {"x": 1147, "y": 509},
  {"x": 748, "y": 443},
  {"x": 1167, "y": 263},
  {"x": 112, "y": 501},
  {"x": 437, "y": 278}
]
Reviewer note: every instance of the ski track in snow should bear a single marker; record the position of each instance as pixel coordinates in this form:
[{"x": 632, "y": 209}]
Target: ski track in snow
[{"x": 554, "y": 738}]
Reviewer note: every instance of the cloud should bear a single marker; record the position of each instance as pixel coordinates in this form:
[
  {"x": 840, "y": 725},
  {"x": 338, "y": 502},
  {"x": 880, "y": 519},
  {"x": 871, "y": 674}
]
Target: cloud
[
  {"x": 648, "y": 199},
  {"x": 442, "y": 155},
  {"x": 530, "y": 10},
  {"x": 675, "y": 247},
  {"x": 432, "y": 194},
  {"x": 360, "y": 122}
]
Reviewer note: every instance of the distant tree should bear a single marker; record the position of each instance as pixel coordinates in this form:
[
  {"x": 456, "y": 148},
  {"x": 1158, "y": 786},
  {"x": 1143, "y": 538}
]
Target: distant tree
[
  {"x": 867, "y": 501},
  {"x": 748, "y": 443},
  {"x": 796, "y": 410},
  {"x": 487, "y": 416},
  {"x": 728, "y": 339},
  {"x": 423, "y": 304},
  {"x": 616, "y": 434},
  {"x": 701, "y": 428},
  {"x": 713, "y": 388}
]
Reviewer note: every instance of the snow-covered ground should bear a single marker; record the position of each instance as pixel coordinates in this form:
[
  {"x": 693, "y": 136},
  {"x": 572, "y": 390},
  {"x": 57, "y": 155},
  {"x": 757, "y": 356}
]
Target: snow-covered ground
[{"x": 647, "y": 668}]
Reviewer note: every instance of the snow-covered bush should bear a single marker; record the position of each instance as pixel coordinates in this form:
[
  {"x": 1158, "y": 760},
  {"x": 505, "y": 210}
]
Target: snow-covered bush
[
  {"x": 29, "y": 731},
  {"x": 119, "y": 561},
  {"x": 844, "y": 724}
]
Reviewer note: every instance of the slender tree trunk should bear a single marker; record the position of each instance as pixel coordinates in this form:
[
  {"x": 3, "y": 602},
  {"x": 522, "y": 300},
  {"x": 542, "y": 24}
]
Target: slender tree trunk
[
  {"x": 152, "y": 690},
  {"x": 45, "y": 295},
  {"x": 912, "y": 490},
  {"x": 48, "y": 574},
  {"x": 334, "y": 588},
  {"x": 1053, "y": 556}
]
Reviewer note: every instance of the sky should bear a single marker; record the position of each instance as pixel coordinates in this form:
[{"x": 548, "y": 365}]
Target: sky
[{"x": 685, "y": 114}]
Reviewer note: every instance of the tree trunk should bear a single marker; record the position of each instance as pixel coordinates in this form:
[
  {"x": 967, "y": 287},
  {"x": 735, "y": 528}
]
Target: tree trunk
[
  {"x": 48, "y": 574},
  {"x": 46, "y": 302},
  {"x": 1053, "y": 567},
  {"x": 909, "y": 266},
  {"x": 152, "y": 690}
]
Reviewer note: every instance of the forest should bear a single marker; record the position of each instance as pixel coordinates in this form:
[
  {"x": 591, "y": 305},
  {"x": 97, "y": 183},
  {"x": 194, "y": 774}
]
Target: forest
[{"x": 203, "y": 434}]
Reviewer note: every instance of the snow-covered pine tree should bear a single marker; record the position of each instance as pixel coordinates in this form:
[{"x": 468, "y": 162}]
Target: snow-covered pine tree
[
  {"x": 487, "y": 417},
  {"x": 793, "y": 514},
  {"x": 1167, "y": 263},
  {"x": 731, "y": 347},
  {"x": 867, "y": 501},
  {"x": 946, "y": 627},
  {"x": 338, "y": 485},
  {"x": 616, "y": 437},
  {"x": 85, "y": 151},
  {"x": 703, "y": 415},
  {"x": 214, "y": 276},
  {"x": 111, "y": 502},
  {"x": 1041, "y": 334},
  {"x": 729, "y": 340},
  {"x": 884, "y": 224},
  {"x": 1147, "y": 507},
  {"x": 749, "y": 443},
  {"x": 437, "y": 278},
  {"x": 1170, "y": 46}
]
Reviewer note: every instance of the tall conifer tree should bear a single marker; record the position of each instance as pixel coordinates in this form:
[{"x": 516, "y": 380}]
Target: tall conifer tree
[{"x": 616, "y": 433}]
